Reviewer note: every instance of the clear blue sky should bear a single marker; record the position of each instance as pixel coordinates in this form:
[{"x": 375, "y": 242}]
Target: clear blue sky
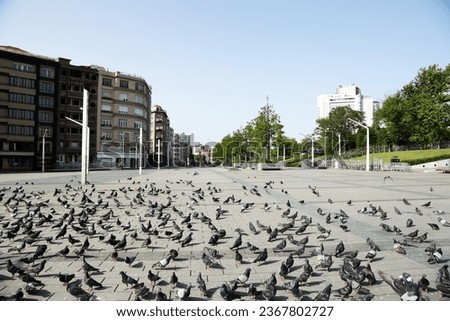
[{"x": 211, "y": 63}]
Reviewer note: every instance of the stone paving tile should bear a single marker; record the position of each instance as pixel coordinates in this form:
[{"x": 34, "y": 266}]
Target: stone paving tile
[{"x": 181, "y": 189}]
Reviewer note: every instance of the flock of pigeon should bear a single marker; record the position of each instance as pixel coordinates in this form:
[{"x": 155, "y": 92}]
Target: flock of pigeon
[{"x": 150, "y": 230}]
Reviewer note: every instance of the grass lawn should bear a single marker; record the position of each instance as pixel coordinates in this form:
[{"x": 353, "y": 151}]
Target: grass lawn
[{"x": 411, "y": 155}]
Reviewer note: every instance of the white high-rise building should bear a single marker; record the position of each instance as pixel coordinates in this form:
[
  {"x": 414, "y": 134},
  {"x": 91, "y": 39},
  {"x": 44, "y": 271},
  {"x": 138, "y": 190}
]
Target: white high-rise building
[{"x": 347, "y": 96}]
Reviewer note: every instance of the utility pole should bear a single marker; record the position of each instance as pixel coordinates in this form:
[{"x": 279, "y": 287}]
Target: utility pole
[
  {"x": 367, "y": 143},
  {"x": 43, "y": 150}
]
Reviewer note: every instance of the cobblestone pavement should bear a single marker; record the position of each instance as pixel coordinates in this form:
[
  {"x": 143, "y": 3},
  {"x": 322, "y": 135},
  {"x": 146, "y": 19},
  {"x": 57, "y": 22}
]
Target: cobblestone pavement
[{"x": 155, "y": 206}]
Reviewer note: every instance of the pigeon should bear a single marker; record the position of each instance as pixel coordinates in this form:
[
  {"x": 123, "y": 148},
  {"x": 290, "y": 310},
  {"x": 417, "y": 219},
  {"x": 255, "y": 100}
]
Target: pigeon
[
  {"x": 163, "y": 263},
  {"x": 403, "y": 286},
  {"x": 269, "y": 292},
  {"x": 339, "y": 249},
  {"x": 128, "y": 280},
  {"x": 243, "y": 278},
  {"x": 90, "y": 282},
  {"x": 201, "y": 285},
  {"x": 423, "y": 283},
  {"x": 409, "y": 222},
  {"x": 187, "y": 240},
  {"x": 237, "y": 243},
  {"x": 183, "y": 293},
  {"x": 324, "y": 294},
  {"x": 262, "y": 256},
  {"x": 173, "y": 280},
  {"x": 87, "y": 267},
  {"x": 39, "y": 267},
  {"x": 11, "y": 268},
  {"x": 406, "y": 202},
  {"x": 280, "y": 246},
  {"x": 122, "y": 244},
  {"x": 443, "y": 222},
  {"x": 228, "y": 295},
  {"x": 153, "y": 278},
  {"x": 65, "y": 278},
  {"x": 238, "y": 257}
]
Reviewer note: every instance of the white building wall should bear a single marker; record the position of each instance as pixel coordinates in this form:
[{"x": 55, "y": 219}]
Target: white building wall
[{"x": 346, "y": 96}]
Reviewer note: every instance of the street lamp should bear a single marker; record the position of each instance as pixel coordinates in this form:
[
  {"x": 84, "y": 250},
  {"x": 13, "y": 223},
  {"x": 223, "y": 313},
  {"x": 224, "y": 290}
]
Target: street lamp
[
  {"x": 312, "y": 147},
  {"x": 43, "y": 150},
  {"x": 367, "y": 142}
]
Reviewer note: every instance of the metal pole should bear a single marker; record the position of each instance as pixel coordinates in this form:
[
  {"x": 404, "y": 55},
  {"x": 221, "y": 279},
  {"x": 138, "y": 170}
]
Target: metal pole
[
  {"x": 339, "y": 142},
  {"x": 312, "y": 151},
  {"x": 140, "y": 150},
  {"x": 43, "y": 150},
  {"x": 367, "y": 143},
  {"x": 84, "y": 137},
  {"x": 159, "y": 152},
  {"x": 325, "y": 148},
  {"x": 367, "y": 150}
]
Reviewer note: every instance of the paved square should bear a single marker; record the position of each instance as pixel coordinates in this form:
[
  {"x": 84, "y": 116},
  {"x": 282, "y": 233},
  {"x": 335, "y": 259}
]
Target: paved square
[{"x": 158, "y": 204}]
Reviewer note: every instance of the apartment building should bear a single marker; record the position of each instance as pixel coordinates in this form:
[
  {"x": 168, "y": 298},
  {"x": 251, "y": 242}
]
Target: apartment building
[
  {"x": 125, "y": 102},
  {"x": 72, "y": 82},
  {"x": 41, "y": 101},
  {"x": 28, "y": 109},
  {"x": 349, "y": 96},
  {"x": 161, "y": 136}
]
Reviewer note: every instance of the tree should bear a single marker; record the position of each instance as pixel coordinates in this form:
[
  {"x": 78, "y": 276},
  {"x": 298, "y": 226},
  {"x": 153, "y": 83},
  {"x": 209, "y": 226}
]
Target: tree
[
  {"x": 254, "y": 142},
  {"x": 266, "y": 130},
  {"x": 337, "y": 122},
  {"x": 420, "y": 112}
]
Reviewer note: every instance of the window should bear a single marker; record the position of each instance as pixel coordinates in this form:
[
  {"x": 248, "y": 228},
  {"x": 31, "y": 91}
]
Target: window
[
  {"x": 20, "y": 130},
  {"x": 123, "y": 122},
  {"x": 106, "y": 136},
  {"x": 123, "y": 83},
  {"x": 45, "y": 117},
  {"x": 23, "y": 67},
  {"x": 21, "y": 98},
  {"x": 21, "y": 82},
  {"x": 76, "y": 88},
  {"x": 106, "y": 122},
  {"x": 138, "y": 112},
  {"x": 47, "y": 87},
  {"x": 47, "y": 72},
  {"x": 46, "y": 101},
  {"x": 139, "y": 99},
  {"x": 107, "y": 82},
  {"x": 107, "y": 95},
  {"x": 123, "y": 109},
  {"x": 137, "y": 124},
  {"x": 139, "y": 86},
  {"x": 74, "y": 144},
  {"x": 123, "y": 96},
  {"x": 122, "y": 136},
  {"x": 106, "y": 109},
  {"x": 21, "y": 114},
  {"x": 75, "y": 102},
  {"x": 75, "y": 130}
]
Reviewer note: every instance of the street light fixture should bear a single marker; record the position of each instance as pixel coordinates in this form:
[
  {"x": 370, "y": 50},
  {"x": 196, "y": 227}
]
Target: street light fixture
[
  {"x": 312, "y": 147},
  {"x": 367, "y": 142},
  {"x": 43, "y": 150}
]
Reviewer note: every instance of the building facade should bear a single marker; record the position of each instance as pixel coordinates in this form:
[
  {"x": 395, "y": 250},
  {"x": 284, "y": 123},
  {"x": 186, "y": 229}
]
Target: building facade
[
  {"x": 28, "y": 109},
  {"x": 125, "y": 102},
  {"x": 349, "y": 96},
  {"x": 41, "y": 101},
  {"x": 72, "y": 82},
  {"x": 161, "y": 136}
]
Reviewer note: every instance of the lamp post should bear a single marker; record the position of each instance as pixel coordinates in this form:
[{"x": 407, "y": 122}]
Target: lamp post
[
  {"x": 367, "y": 142},
  {"x": 312, "y": 147},
  {"x": 140, "y": 150},
  {"x": 84, "y": 138},
  {"x": 43, "y": 150}
]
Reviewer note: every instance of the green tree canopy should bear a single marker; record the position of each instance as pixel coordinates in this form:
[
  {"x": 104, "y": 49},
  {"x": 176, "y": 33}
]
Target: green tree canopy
[{"x": 420, "y": 112}]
